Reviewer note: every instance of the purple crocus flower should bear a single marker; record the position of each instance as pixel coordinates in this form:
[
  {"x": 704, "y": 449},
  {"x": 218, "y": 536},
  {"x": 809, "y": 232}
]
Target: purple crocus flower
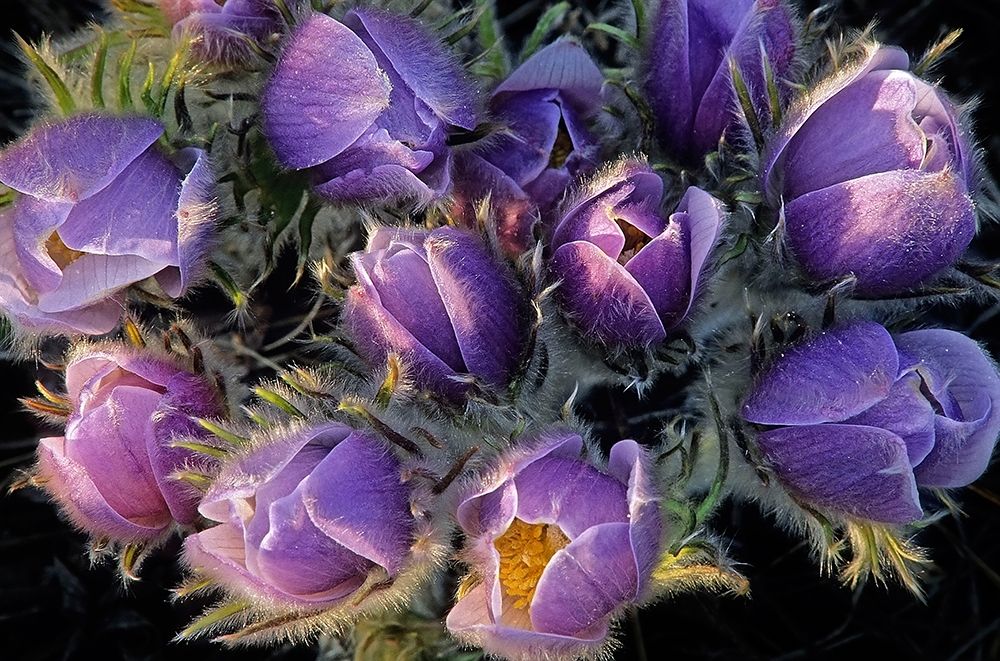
[
  {"x": 221, "y": 30},
  {"x": 688, "y": 81},
  {"x": 628, "y": 275},
  {"x": 557, "y": 549},
  {"x": 442, "y": 302},
  {"x": 111, "y": 472},
  {"x": 304, "y": 519},
  {"x": 99, "y": 207},
  {"x": 545, "y": 107},
  {"x": 366, "y": 105},
  {"x": 872, "y": 171},
  {"x": 855, "y": 420}
]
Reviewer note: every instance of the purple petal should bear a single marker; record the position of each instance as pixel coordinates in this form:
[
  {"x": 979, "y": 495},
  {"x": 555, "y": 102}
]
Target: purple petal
[
  {"x": 564, "y": 66},
  {"x": 482, "y": 304},
  {"x": 669, "y": 87},
  {"x": 196, "y": 215},
  {"x": 71, "y": 160},
  {"x": 603, "y": 298},
  {"x": 891, "y": 230},
  {"x": 663, "y": 269},
  {"x": 92, "y": 279},
  {"x": 33, "y": 222},
  {"x": 860, "y": 471},
  {"x": 956, "y": 367},
  {"x": 326, "y": 91},
  {"x": 631, "y": 464},
  {"x": 489, "y": 514},
  {"x": 827, "y": 378},
  {"x": 524, "y": 149},
  {"x": 907, "y": 414}
]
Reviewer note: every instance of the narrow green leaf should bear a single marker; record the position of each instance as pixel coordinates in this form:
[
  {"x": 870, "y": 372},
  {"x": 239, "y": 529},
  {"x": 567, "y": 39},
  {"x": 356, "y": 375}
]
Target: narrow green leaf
[
  {"x": 746, "y": 103},
  {"x": 125, "y": 77},
  {"x": 212, "y": 618},
  {"x": 616, "y": 33},
  {"x": 147, "y": 90},
  {"x": 200, "y": 448},
  {"x": 276, "y": 400},
  {"x": 55, "y": 82},
  {"x": 639, "y": 7},
  {"x": 549, "y": 19},
  {"x": 229, "y": 286},
  {"x": 97, "y": 79},
  {"x": 306, "y": 220},
  {"x": 220, "y": 432}
]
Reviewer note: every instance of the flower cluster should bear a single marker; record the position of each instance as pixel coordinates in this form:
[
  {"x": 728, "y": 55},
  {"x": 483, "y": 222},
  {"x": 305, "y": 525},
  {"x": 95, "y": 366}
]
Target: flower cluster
[{"x": 440, "y": 261}]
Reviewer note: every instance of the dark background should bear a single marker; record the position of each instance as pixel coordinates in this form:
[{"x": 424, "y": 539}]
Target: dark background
[{"x": 53, "y": 606}]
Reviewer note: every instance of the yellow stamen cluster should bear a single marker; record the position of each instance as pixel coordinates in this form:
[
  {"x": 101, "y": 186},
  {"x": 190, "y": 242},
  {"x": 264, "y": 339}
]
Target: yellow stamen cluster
[
  {"x": 635, "y": 240},
  {"x": 60, "y": 253},
  {"x": 525, "y": 549}
]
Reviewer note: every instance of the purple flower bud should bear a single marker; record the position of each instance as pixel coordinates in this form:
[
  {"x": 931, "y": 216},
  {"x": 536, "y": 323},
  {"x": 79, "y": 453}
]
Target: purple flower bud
[
  {"x": 366, "y": 105},
  {"x": 221, "y": 30},
  {"x": 688, "y": 81},
  {"x": 628, "y": 275},
  {"x": 99, "y": 208},
  {"x": 873, "y": 171},
  {"x": 440, "y": 301},
  {"x": 557, "y": 548},
  {"x": 305, "y": 518},
  {"x": 855, "y": 420},
  {"x": 545, "y": 107},
  {"x": 111, "y": 472}
]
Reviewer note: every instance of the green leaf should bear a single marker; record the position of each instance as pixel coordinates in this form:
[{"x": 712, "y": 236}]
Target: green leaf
[
  {"x": 97, "y": 79},
  {"x": 549, "y": 19},
  {"x": 58, "y": 86},
  {"x": 616, "y": 33},
  {"x": 125, "y": 77}
]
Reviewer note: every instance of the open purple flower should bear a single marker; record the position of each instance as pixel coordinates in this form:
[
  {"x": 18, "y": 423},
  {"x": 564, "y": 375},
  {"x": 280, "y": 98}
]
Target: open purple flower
[
  {"x": 872, "y": 171},
  {"x": 305, "y": 518},
  {"x": 99, "y": 208},
  {"x": 545, "y": 107},
  {"x": 366, "y": 105},
  {"x": 855, "y": 420},
  {"x": 628, "y": 275},
  {"x": 557, "y": 548},
  {"x": 442, "y": 302},
  {"x": 688, "y": 81},
  {"x": 111, "y": 472},
  {"x": 221, "y": 30}
]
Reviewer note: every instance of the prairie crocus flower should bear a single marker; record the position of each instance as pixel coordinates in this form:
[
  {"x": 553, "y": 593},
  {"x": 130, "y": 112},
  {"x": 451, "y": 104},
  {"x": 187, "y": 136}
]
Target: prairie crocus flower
[
  {"x": 545, "y": 107},
  {"x": 221, "y": 30},
  {"x": 442, "y": 302},
  {"x": 557, "y": 548},
  {"x": 305, "y": 519},
  {"x": 366, "y": 105},
  {"x": 111, "y": 471},
  {"x": 99, "y": 207},
  {"x": 855, "y": 420},
  {"x": 872, "y": 171},
  {"x": 629, "y": 275},
  {"x": 687, "y": 67}
]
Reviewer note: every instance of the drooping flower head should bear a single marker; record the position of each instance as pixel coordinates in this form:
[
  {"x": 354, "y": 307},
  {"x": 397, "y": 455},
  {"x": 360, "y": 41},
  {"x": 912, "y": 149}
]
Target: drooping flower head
[
  {"x": 366, "y": 105},
  {"x": 687, "y": 67},
  {"x": 872, "y": 171},
  {"x": 854, "y": 420},
  {"x": 628, "y": 275},
  {"x": 443, "y": 303},
  {"x": 557, "y": 547},
  {"x": 99, "y": 207},
  {"x": 305, "y": 519},
  {"x": 221, "y": 30},
  {"x": 111, "y": 471},
  {"x": 545, "y": 107}
]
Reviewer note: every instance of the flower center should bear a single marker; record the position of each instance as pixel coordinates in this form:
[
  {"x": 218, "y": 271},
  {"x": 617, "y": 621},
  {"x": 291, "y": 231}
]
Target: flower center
[
  {"x": 60, "y": 253},
  {"x": 635, "y": 240},
  {"x": 562, "y": 147},
  {"x": 525, "y": 549}
]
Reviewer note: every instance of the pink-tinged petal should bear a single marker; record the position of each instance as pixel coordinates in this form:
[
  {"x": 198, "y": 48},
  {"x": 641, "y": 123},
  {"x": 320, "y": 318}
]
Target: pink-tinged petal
[
  {"x": 865, "y": 129},
  {"x": 631, "y": 464},
  {"x": 177, "y": 10},
  {"x": 482, "y": 303},
  {"x": 860, "y": 471},
  {"x": 196, "y": 216},
  {"x": 490, "y": 514},
  {"x": 957, "y": 369},
  {"x": 564, "y": 66},
  {"x": 81, "y": 501},
  {"x": 356, "y": 497},
  {"x": 603, "y": 298},
  {"x": 663, "y": 269},
  {"x": 33, "y": 222},
  {"x": 91, "y": 279},
  {"x": 325, "y": 93},
  {"x": 891, "y": 230},
  {"x": 71, "y": 160},
  {"x": 905, "y": 412},
  {"x": 586, "y": 581},
  {"x": 570, "y": 493},
  {"x": 827, "y": 378},
  {"x": 425, "y": 66}
]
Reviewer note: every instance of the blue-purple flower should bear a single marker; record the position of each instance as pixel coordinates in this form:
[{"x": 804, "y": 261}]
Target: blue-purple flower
[
  {"x": 366, "y": 106},
  {"x": 557, "y": 548},
  {"x": 628, "y": 275},
  {"x": 854, "y": 420},
  {"x": 687, "y": 65},
  {"x": 99, "y": 207},
  {"x": 545, "y": 108},
  {"x": 222, "y": 32},
  {"x": 441, "y": 302},
  {"x": 872, "y": 172},
  {"x": 111, "y": 472},
  {"x": 305, "y": 518}
]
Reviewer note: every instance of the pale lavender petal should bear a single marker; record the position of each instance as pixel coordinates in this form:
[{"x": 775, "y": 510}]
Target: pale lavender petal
[
  {"x": 33, "y": 222},
  {"x": 827, "y": 378},
  {"x": 859, "y": 471},
  {"x": 489, "y": 514},
  {"x": 196, "y": 216},
  {"x": 704, "y": 217},
  {"x": 91, "y": 279},
  {"x": 631, "y": 464}
]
